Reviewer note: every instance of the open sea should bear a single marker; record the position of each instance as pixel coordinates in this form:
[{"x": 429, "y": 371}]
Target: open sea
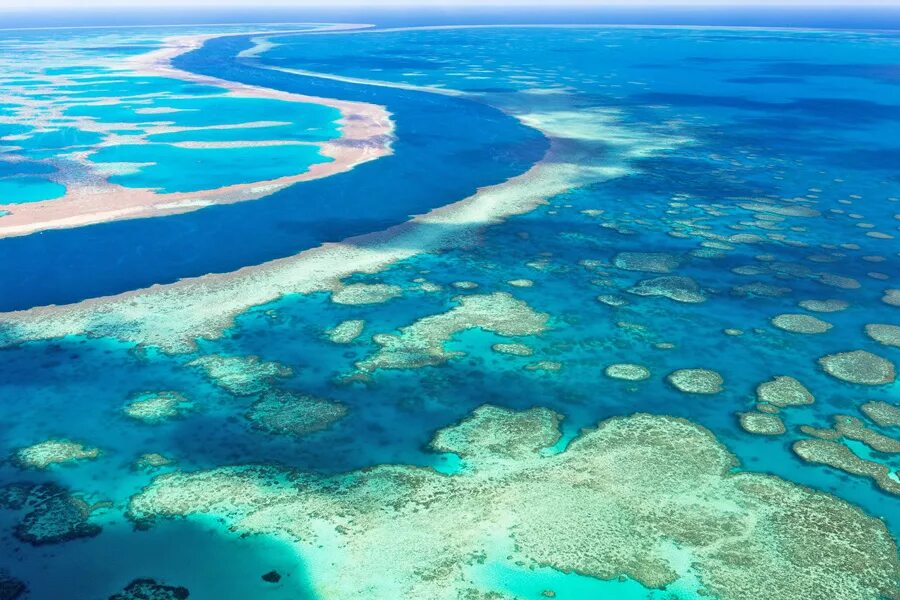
[{"x": 614, "y": 313}]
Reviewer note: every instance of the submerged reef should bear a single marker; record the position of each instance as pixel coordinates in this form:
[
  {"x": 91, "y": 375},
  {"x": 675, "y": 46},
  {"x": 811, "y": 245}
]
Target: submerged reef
[
  {"x": 891, "y": 297},
  {"x": 801, "y": 324},
  {"x": 514, "y": 349},
  {"x": 152, "y": 461},
  {"x": 346, "y": 331},
  {"x": 52, "y": 513},
  {"x": 53, "y": 452},
  {"x": 859, "y": 366},
  {"x": 838, "y": 456},
  {"x": 889, "y": 335},
  {"x": 611, "y": 300},
  {"x": 824, "y": 306},
  {"x": 761, "y": 423},
  {"x": 241, "y": 375},
  {"x": 654, "y": 498},
  {"x": 884, "y": 414},
  {"x": 784, "y": 391},
  {"x": 851, "y": 428},
  {"x": 366, "y": 293},
  {"x": 156, "y": 407},
  {"x": 150, "y": 589},
  {"x": 544, "y": 365},
  {"x": 627, "y": 371},
  {"x": 422, "y": 343},
  {"x": 521, "y": 283},
  {"x": 696, "y": 381},
  {"x": 673, "y": 287},
  {"x": 10, "y": 587},
  {"x": 649, "y": 262},
  {"x": 287, "y": 413}
]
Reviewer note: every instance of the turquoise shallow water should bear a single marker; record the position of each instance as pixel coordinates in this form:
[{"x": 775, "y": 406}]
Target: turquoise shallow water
[
  {"x": 86, "y": 96},
  {"x": 15, "y": 190},
  {"x": 174, "y": 169},
  {"x": 790, "y": 118}
]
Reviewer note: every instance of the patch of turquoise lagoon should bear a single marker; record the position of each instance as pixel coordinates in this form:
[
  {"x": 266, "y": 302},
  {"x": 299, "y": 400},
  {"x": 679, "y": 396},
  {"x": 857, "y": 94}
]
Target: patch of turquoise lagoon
[
  {"x": 19, "y": 190},
  {"x": 309, "y": 122},
  {"x": 9, "y": 168},
  {"x": 45, "y": 143},
  {"x": 175, "y": 169}
]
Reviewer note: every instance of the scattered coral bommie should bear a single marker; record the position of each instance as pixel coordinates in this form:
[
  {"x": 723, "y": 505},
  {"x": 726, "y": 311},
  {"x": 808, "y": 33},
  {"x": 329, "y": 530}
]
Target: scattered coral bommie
[
  {"x": 422, "y": 343},
  {"x": 696, "y": 381},
  {"x": 886, "y": 415},
  {"x": 53, "y": 452},
  {"x": 678, "y": 288},
  {"x": 801, "y": 323},
  {"x": 346, "y": 331},
  {"x": 761, "y": 423},
  {"x": 784, "y": 391},
  {"x": 838, "y": 456},
  {"x": 51, "y": 513},
  {"x": 241, "y": 375},
  {"x": 156, "y": 407},
  {"x": 150, "y": 589},
  {"x": 366, "y": 293},
  {"x": 287, "y": 413},
  {"x": 627, "y": 371},
  {"x": 859, "y": 366},
  {"x": 10, "y": 587}
]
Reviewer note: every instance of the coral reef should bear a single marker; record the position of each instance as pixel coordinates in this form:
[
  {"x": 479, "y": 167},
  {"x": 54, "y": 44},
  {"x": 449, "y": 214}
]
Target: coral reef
[
  {"x": 53, "y": 452},
  {"x": 796, "y": 323},
  {"x": 859, "y": 366},
  {"x": 680, "y": 289},
  {"x": 346, "y": 331},
  {"x": 514, "y": 349},
  {"x": 241, "y": 375},
  {"x": 52, "y": 513},
  {"x": 884, "y": 414},
  {"x": 696, "y": 381},
  {"x": 150, "y": 589},
  {"x": 10, "y": 587},
  {"x": 838, "y": 456},
  {"x": 156, "y": 407},
  {"x": 422, "y": 343},
  {"x": 784, "y": 391},
  {"x": 761, "y": 423},
  {"x": 287, "y": 413},
  {"x": 544, "y": 365},
  {"x": 648, "y": 262},
  {"x": 889, "y": 335},
  {"x": 624, "y": 498},
  {"x": 824, "y": 306},
  {"x": 152, "y": 461},
  {"x": 366, "y": 293},
  {"x": 852, "y": 428},
  {"x": 627, "y": 371}
]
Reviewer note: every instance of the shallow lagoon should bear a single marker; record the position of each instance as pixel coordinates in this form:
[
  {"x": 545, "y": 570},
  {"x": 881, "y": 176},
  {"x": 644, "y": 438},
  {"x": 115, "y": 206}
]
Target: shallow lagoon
[
  {"x": 15, "y": 190},
  {"x": 174, "y": 169},
  {"x": 724, "y": 207}
]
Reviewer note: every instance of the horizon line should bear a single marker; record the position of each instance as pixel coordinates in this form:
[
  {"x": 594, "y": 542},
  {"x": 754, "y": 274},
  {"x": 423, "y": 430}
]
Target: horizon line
[{"x": 617, "y": 5}]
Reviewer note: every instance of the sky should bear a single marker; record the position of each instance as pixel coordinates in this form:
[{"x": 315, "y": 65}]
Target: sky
[{"x": 297, "y": 4}]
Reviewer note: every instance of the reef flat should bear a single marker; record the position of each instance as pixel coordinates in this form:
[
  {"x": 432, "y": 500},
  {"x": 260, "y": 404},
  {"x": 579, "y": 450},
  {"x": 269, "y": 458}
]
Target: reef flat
[{"x": 626, "y": 498}]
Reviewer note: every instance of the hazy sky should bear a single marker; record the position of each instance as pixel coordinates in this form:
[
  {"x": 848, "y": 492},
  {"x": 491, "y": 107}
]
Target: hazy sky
[{"x": 124, "y": 4}]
